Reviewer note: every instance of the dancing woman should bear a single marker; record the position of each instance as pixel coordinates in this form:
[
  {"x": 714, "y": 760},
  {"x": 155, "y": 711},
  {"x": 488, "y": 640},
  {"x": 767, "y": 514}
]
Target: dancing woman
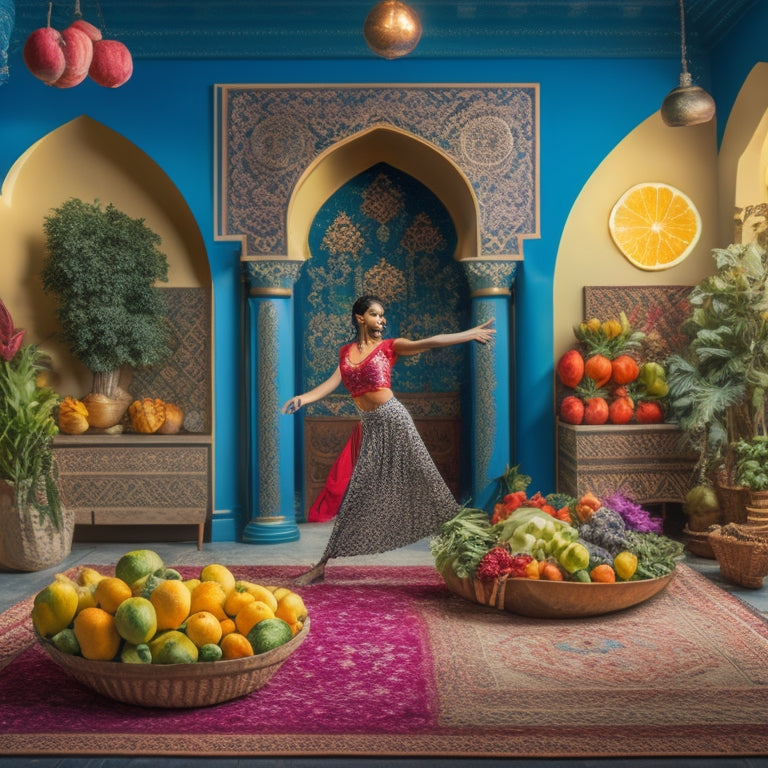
[{"x": 396, "y": 495}]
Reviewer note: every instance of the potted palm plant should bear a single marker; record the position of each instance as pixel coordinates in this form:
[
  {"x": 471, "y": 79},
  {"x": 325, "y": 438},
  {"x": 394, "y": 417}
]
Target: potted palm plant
[
  {"x": 102, "y": 265},
  {"x": 718, "y": 382},
  {"x": 35, "y": 530}
]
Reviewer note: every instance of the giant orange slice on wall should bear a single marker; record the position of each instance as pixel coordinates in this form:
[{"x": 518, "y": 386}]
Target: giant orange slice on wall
[{"x": 654, "y": 225}]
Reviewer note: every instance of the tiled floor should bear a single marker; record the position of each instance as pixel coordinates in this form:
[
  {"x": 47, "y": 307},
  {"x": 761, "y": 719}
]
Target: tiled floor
[{"x": 16, "y": 586}]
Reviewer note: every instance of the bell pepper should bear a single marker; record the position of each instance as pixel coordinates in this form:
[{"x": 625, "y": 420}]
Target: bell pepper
[
  {"x": 653, "y": 379},
  {"x": 575, "y": 557}
]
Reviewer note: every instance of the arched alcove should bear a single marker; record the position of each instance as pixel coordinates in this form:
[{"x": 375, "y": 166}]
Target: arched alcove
[
  {"x": 121, "y": 479},
  {"x": 400, "y": 149}
]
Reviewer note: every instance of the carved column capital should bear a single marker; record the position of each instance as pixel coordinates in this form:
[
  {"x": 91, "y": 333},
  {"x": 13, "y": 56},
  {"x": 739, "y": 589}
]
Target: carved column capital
[{"x": 490, "y": 277}]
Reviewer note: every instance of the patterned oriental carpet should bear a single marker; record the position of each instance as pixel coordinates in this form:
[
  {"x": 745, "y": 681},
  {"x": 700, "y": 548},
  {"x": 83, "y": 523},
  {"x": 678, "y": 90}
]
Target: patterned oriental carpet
[{"x": 397, "y": 665}]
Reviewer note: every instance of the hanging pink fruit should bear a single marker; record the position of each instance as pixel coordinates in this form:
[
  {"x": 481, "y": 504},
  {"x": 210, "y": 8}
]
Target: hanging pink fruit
[
  {"x": 94, "y": 33},
  {"x": 112, "y": 63},
  {"x": 78, "y": 54},
  {"x": 44, "y": 54}
]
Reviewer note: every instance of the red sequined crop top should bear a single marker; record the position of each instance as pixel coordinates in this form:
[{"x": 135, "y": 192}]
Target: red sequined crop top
[{"x": 372, "y": 373}]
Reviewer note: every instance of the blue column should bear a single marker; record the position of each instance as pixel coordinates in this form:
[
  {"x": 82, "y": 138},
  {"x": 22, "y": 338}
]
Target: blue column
[
  {"x": 491, "y": 366},
  {"x": 271, "y": 480}
]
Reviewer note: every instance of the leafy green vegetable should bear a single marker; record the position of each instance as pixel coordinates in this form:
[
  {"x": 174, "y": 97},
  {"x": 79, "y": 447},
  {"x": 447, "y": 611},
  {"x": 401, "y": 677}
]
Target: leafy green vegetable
[
  {"x": 657, "y": 555},
  {"x": 462, "y": 541}
]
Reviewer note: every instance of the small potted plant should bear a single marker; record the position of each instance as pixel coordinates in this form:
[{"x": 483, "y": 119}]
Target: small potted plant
[
  {"x": 35, "y": 530},
  {"x": 103, "y": 265},
  {"x": 751, "y": 458}
]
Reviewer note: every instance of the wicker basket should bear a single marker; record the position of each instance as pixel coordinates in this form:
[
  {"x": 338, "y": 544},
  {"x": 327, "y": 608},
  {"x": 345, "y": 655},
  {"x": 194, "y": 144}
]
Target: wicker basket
[
  {"x": 733, "y": 501},
  {"x": 741, "y": 562},
  {"x": 697, "y": 542},
  {"x": 176, "y": 685}
]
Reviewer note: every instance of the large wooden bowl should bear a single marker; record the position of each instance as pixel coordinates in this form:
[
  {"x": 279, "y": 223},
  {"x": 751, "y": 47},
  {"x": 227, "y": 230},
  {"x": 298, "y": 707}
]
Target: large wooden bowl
[
  {"x": 176, "y": 685},
  {"x": 555, "y": 599}
]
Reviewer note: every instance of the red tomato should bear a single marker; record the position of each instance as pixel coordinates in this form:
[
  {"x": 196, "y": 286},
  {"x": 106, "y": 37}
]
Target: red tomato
[
  {"x": 620, "y": 410},
  {"x": 598, "y": 367},
  {"x": 572, "y": 410},
  {"x": 596, "y": 411},
  {"x": 570, "y": 369},
  {"x": 624, "y": 369},
  {"x": 649, "y": 412}
]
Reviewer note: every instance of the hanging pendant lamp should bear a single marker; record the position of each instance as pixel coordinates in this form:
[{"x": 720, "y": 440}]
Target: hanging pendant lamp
[
  {"x": 687, "y": 104},
  {"x": 392, "y": 29}
]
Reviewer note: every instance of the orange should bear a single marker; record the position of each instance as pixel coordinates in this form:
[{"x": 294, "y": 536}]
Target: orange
[
  {"x": 209, "y": 596},
  {"x": 173, "y": 603},
  {"x": 97, "y": 634},
  {"x": 603, "y": 573},
  {"x": 654, "y": 225},
  {"x": 235, "y": 646},
  {"x": 219, "y": 573},
  {"x": 237, "y": 600},
  {"x": 252, "y": 614},
  {"x": 110, "y": 592},
  {"x": 203, "y": 628},
  {"x": 227, "y": 626}
]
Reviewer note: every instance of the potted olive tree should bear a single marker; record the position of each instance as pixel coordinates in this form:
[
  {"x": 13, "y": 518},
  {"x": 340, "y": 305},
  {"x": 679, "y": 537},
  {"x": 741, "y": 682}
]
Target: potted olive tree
[
  {"x": 35, "y": 530},
  {"x": 718, "y": 382},
  {"x": 103, "y": 265}
]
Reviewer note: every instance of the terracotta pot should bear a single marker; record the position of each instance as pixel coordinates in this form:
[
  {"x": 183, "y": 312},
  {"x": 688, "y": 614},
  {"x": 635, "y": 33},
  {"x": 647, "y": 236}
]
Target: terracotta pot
[{"x": 26, "y": 544}]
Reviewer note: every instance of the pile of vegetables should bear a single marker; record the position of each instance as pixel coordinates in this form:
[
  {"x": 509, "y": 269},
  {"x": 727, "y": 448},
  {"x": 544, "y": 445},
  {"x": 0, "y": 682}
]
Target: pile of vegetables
[
  {"x": 609, "y": 382},
  {"x": 556, "y": 538}
]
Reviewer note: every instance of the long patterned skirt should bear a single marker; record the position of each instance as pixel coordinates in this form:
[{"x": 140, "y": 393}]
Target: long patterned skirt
[{"x": 396, "y": 494}]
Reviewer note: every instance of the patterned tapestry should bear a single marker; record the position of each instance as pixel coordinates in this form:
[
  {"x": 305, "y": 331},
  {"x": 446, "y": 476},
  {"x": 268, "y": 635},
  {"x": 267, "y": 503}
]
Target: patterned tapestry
[{"x": 386, "y": 234}]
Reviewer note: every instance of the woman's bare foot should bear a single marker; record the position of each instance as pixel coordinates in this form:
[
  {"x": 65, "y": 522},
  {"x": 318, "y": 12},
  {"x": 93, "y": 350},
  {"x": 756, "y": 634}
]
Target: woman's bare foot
[{"x": 311, "y": 576}]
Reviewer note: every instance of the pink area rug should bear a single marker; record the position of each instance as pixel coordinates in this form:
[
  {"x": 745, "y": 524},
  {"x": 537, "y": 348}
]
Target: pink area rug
[{"x": 397, "y": 665}]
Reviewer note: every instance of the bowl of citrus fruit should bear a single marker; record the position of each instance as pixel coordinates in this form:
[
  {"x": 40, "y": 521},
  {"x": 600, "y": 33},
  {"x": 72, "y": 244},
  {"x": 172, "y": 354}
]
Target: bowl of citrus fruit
[{"x": 147, "y": 636}]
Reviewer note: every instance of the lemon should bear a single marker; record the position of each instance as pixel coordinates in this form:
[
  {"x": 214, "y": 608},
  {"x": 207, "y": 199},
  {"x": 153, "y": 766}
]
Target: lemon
[
  {"x": 136, "y": 654},
  {"x": 54, "y": 608},
  {"x": 173, "y": 647}
]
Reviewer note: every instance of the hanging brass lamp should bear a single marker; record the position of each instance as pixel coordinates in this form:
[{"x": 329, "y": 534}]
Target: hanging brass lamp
[
  {"x": 687, "y": 104},
  {"x": 392, "y": 29}
]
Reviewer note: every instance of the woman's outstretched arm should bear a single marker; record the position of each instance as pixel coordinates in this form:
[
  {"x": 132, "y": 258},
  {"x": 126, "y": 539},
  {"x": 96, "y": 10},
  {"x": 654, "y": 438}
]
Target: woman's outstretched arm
[
  {"x": 318, "y": 393},
  {"x": 480, "y": 333}
]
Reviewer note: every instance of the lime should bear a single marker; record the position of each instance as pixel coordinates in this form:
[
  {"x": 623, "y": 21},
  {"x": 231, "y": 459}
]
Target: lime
[
  {"x": 210, "y": 652},
  {"x": 66, "y": 642},
  {"x": 136, "y": 654},
  {"x": 269, "y": 634},
  {"x": 137, "y": 563},
  {"x": 136, "y": 620}
]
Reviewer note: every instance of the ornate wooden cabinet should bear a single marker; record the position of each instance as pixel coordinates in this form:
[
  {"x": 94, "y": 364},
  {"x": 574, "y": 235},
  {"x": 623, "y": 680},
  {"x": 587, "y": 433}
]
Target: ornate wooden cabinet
[
  {"x": 137, "y": 479},
  {"x": 644, "y": 460}
]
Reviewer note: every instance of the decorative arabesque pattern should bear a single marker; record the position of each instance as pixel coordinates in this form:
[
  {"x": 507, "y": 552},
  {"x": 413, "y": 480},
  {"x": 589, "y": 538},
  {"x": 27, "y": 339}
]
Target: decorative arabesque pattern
[
  {"x": 386, "y": 234},
  {"x": 185, "y": 377},
  {"x": 269, "y": 439},
  {"x": 271, "y": 134}
]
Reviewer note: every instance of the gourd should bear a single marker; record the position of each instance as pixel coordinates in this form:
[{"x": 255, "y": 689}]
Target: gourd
[
  {"x": 174, "y": 418},
  {"x": 112, "y": 64},
  {"x": 147, "y": 415},
  {"x": 73, "y": 416},
  {"x": 78, "y": 54}
]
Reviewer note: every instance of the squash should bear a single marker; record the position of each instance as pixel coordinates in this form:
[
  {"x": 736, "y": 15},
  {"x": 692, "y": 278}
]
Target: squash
[
  {"x": 174, "y": 419},
  {"x": 73, "y": 416},
  {"x": 147, "y": 415}
]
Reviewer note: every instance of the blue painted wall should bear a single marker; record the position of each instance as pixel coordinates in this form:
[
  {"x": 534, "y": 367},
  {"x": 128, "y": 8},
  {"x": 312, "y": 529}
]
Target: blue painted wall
[{"x": 587, "y": 107}]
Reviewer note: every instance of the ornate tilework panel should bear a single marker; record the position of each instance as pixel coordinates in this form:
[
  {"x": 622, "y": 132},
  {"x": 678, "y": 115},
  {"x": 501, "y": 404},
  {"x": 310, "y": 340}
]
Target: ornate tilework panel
[
  {"x": 271, "y": 134},
  {"x": 185, "y": 377}
]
